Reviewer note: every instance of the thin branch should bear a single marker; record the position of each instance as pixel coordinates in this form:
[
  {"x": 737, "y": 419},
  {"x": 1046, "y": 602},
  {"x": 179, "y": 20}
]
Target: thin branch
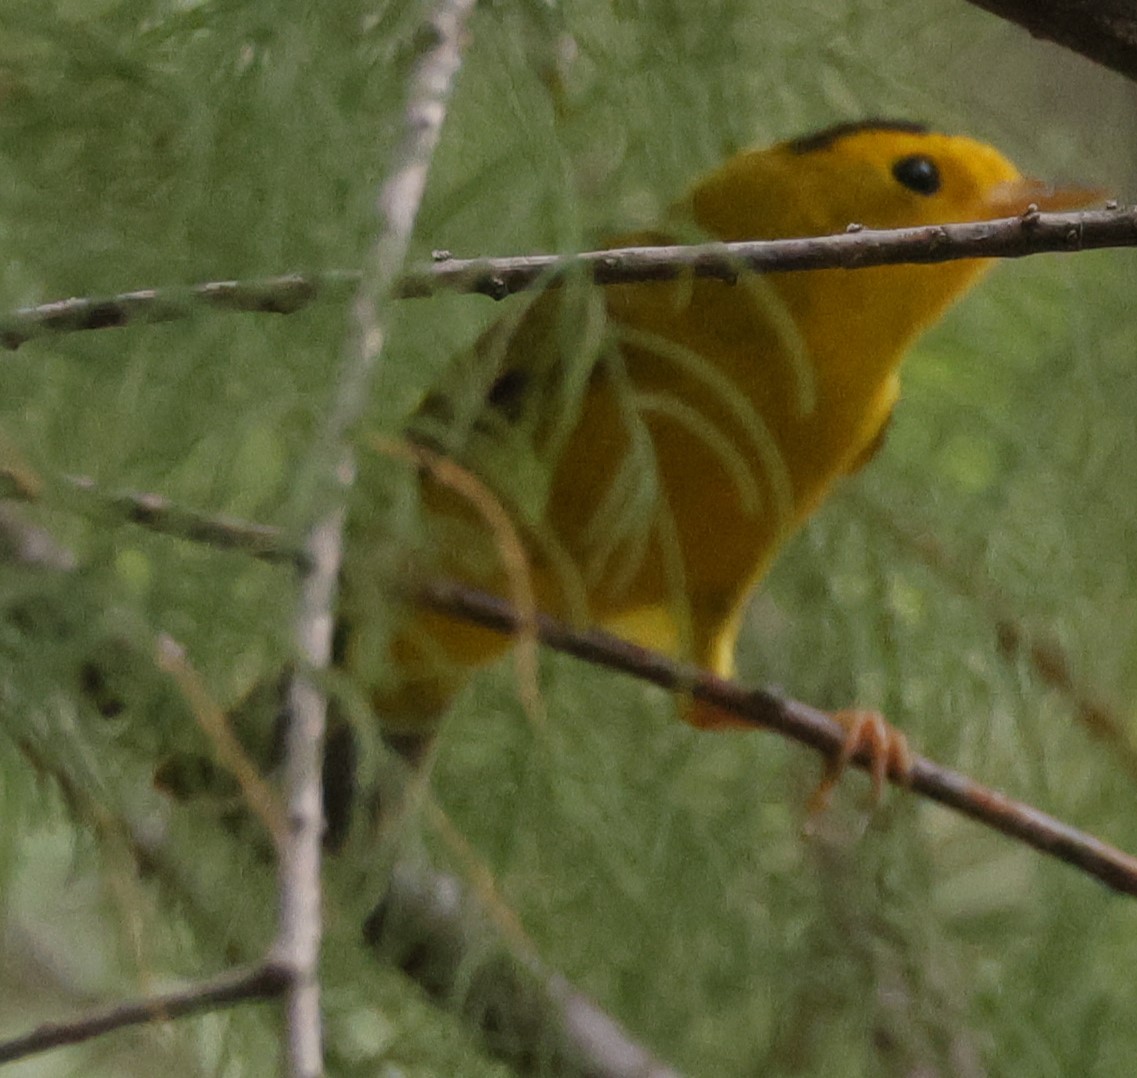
[
  {"x": 140, "y": 839},
  {"x": 262, "y": 981},
  {"x": 805, "y": 725},
  {"x": 81, "y": 495},
  {"x": 859, "y": 248},
  {"x": 793, "y": 719},
  {"x": 281, "y": 294},
  {"x": 1103, "y": 30},
  {"x": 397, "y": 206},
  {"x": 157, "y": 513},
  {"x": 299, "y": 929},
  {"x": 1014, "y": 237},
  {"x": 1046, "y": 657}
]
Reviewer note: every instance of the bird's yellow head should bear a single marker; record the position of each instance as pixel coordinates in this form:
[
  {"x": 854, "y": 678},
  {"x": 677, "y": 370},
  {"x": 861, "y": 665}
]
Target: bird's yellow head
[
  {"x": 893, "y": 174},
  {"x": 878, "y": 174}
]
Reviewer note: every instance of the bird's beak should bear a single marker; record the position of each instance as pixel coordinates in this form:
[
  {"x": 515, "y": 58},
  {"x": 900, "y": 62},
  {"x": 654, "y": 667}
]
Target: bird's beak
[{"x": 1013, "y": 197}]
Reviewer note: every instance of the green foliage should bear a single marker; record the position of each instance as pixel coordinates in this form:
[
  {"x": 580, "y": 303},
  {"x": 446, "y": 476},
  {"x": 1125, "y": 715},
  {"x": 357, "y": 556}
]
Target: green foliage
[{"x": 152, "y": 142}]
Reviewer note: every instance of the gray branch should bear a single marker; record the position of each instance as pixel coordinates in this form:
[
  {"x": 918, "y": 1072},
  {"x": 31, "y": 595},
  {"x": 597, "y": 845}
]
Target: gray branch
[
  {"x": 397, "y": 204},
  {"x": 1014, "y": 237}
]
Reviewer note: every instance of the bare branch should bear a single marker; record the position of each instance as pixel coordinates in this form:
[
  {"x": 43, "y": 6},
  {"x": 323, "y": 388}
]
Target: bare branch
[
  {"x": 1103, "y": 30},
  {"x": 80, "y": 494},
  {"x": 282, "y": 294},
  {"x": 262, "y": 981},
  {"x": 1014, "y": 237},
  {"x": 789, "y": 717},
  {"x": 806, "y": 725},
  {"x": 397, "y": 205},
  {"x": 159, "y": 514}
]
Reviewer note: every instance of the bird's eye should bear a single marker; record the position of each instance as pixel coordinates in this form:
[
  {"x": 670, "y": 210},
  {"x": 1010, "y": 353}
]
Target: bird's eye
[{"x": 918, "y": 174}]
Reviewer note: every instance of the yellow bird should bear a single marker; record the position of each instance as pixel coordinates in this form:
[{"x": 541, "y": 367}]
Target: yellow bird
[{"x": 656, "y": 444}]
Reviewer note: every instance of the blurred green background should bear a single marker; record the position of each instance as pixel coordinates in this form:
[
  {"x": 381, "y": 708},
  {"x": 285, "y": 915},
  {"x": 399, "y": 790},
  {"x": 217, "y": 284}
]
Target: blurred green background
[{"x": 663, "y": 871}]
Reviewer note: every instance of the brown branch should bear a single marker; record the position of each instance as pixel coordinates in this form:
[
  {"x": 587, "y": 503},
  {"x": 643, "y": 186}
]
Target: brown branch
[
  {"x": 795, "y": 720},
  {"x": 807, "y": 726},
  {"x": 1103, "y": 30},
  {"x": 397, "y": 205},
  {"x": 157, "y": 513},
  {"x": 1013, "y": 237},
  {"x": 154, "y": 512},
  {"x": 283, "y": 294},
  {"x": 263, "y": 981}
]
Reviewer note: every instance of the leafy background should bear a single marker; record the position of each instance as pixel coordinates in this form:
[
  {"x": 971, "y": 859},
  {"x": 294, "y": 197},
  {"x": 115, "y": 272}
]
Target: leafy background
[{"x": 663, "y": 871}]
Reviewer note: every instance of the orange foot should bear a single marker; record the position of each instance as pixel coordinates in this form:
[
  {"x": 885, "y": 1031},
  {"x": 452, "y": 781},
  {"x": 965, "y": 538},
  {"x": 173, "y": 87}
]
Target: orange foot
[
  {"x": 866, "y": 732},
  {"x": 869, "y": 733}
]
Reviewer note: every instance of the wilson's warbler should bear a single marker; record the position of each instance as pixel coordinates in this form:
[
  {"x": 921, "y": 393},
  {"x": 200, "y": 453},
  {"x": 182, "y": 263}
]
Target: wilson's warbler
[{"x": 655, "y": 443}]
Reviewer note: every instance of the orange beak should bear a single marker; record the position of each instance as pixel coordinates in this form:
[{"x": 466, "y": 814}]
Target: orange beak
[{"x": 1013, "y": 197}]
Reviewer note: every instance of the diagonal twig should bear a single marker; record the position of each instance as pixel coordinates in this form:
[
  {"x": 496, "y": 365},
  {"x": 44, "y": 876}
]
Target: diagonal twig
[
  {"x": 263, "y": 981},
  {"x": 155, "y": 512},
  {"x": 789, "y": 717},
  {"x": 258, "y": 794},
  {"x": 1014, "y": 237},
  {"x": 806, "y": 725}
]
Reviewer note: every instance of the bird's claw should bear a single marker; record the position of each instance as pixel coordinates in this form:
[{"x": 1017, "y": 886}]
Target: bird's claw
[{"x": 867, "y": 733}]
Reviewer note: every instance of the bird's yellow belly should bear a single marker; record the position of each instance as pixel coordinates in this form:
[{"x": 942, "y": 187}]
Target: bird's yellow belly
[
  {"x": 721, "y": 408},
  {"x": 679, "y": 483}
]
